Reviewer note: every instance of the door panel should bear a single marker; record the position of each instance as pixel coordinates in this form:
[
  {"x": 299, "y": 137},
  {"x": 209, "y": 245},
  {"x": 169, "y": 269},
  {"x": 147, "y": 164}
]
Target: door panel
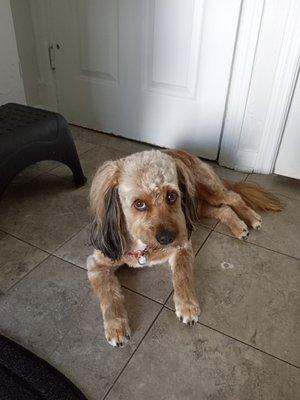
[
  {"x": 98, "y": 39},
  {"x": 173, "y": 45},
  {"x": 156, "y": 71}
]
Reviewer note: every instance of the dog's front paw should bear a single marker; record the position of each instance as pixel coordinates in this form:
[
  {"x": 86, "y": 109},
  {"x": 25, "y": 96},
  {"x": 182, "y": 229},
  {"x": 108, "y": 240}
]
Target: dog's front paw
[
  {"x": 256, "y": 224},
  {"x": 117, "y": 332},
  {"x": 188, "y": 313}
]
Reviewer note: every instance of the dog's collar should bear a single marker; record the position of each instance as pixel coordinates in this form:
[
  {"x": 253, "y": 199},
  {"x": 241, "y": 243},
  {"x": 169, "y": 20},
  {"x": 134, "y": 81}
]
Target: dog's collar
[{"x": 140, "y": 255}]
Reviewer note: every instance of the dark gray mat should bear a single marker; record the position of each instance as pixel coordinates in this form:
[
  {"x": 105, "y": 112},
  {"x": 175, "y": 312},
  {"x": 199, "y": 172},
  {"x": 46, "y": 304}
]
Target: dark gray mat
[{"x": 25, "y": 376}]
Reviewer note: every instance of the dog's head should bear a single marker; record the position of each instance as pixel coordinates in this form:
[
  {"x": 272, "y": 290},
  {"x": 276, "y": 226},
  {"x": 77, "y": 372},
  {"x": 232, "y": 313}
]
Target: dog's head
[{"x": 147, "y": 197}]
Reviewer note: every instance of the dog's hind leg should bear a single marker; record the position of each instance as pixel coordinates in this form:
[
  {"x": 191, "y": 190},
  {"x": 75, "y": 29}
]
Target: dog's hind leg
[
  {"x": 236, "y": 202},
  {"x": 108, "y": 289},
  {"x": 227, "y": 216},
  {"x": 216, "y": 193}
]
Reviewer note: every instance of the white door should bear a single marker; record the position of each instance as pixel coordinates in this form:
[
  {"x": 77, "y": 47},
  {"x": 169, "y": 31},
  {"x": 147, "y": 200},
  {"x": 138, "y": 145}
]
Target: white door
[
  {"x": 288, "y": 159},
  {"x": 151, "y": 70}
]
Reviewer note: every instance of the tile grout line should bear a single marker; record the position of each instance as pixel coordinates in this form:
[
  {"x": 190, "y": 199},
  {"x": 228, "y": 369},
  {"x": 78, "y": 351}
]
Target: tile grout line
[
  {"x": 79, "y": 156},
  {"x": 246, "y": 242},
  {"x": 271, "y": 190},
  {"x": 41, "y": 249},
  {"x": 124, "y": 367},
  {"x": 61, "y": 163},
  {"x": 29, "y": 272},
  {"x": 24, "y": 241},
  {"x": 78, "y": 266},
  {"x": 240, "y": 341},
  {"x": 123, "y": 286},
  {"x": 52, "y": 170},
  {"x": 70, "y": 238},
  {"x": 206, "y": 239},
  {"x": 143, "y": 295},
  {"x": 196, "y": 254},
  {"x": 105, "y": 146},
  {"x": 69, "y": 262},
  {"x": 111, "y": 135},
  {"x": 128, "y": 361},
  {"x": 49, "y": 254},
  {"x": 25, "y": 180}
]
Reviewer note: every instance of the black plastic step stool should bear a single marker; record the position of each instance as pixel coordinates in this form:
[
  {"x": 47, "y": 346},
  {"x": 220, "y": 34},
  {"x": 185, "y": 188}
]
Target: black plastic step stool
[{"x": 29, "y": 135}]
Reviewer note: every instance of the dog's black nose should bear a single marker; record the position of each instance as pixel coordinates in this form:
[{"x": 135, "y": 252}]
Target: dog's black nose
[{"x": 165, "y": 237}]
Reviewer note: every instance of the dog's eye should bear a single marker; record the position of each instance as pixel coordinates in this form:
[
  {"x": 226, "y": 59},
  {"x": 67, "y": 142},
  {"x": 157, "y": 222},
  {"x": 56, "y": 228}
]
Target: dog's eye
[
  {"x": 140, "y": 205},
  {"x": 171, "y": 197}
]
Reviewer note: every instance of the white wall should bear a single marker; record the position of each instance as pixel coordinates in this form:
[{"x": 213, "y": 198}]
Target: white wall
[
  {"x": 26, "y": 48},
  {"x": 11, "y": 85}
]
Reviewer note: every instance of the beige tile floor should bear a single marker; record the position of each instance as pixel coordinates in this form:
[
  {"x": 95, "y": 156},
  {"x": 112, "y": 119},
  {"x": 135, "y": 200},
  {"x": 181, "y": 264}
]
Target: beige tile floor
[{"x": 247, "y": 342}]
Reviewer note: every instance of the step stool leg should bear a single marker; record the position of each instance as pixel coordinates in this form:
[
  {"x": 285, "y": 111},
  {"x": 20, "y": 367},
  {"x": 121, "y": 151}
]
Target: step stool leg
[{"x": 71, "y": 159}]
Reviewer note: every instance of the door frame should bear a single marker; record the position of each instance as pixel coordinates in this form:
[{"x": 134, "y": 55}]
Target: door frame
[{"x": 234, "y": 152}]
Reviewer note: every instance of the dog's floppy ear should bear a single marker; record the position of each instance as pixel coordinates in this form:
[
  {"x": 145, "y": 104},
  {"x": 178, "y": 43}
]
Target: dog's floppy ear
[
  {"x": 108, "y": 233},
  {"x": 186, "y": 183}
]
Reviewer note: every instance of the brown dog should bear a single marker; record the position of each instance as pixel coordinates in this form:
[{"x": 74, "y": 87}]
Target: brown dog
[{"x": 145, "y": 207}]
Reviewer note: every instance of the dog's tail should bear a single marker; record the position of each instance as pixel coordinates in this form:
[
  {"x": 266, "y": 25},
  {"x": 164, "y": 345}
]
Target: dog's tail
[{"x": 255, "y": 196}]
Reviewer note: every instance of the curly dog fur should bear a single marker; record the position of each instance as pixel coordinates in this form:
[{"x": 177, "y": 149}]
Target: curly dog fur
[{"x": 145, "y": 207}]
